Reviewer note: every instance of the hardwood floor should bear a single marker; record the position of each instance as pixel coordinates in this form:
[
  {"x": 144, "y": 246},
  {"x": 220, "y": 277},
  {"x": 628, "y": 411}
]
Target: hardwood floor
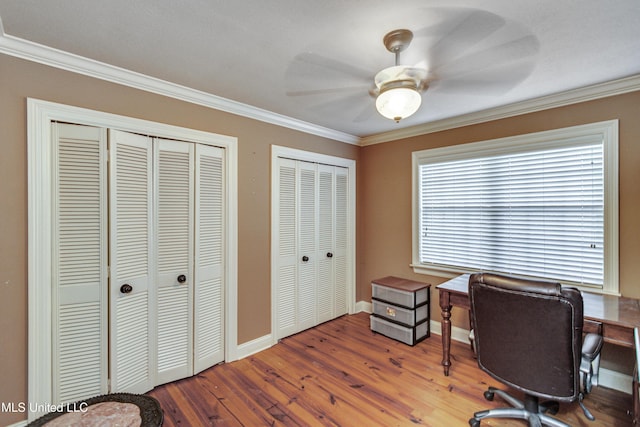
[{"x": 341, "y": 374}]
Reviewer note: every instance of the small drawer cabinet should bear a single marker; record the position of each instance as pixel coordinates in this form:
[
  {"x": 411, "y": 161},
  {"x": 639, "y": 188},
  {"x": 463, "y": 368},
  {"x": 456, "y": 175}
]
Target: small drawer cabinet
[{"x": 400, "y": 309}]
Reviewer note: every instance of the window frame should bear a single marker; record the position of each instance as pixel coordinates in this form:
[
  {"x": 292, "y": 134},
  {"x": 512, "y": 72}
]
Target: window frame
[{"x": 606, "y": 130}]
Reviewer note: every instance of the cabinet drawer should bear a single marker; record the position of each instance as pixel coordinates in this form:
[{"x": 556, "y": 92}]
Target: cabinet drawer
[
  {"x": 407, "y": 299},
  {"x": 618, "y": 335},
  {"x": 408, "y": 317},
  {"x": 405, "y": 334}
]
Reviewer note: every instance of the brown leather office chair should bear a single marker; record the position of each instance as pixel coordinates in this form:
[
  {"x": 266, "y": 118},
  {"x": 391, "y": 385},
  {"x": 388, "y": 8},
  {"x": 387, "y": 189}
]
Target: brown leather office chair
[{"x": 528, "y": 335}]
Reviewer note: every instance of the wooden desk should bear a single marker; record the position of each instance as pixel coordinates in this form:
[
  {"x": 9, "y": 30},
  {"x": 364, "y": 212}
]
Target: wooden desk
[{"x": 614, "y": 317}]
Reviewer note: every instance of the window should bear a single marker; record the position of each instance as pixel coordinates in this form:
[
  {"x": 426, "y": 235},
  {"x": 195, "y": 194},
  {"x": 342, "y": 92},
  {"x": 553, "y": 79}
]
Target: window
[{"x": 542, "y": 205}]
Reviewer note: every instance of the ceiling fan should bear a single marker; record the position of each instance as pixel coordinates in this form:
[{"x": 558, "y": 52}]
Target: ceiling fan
[
  {"x": 460, "y": 52},
  {"x": 398, "y": 89}
]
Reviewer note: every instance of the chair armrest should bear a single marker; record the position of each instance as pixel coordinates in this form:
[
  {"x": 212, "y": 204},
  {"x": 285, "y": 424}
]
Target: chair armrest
[{"x": 591, "y": 346}]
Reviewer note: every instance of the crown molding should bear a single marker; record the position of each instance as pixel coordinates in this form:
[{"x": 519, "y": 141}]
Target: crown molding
[
  {"x": 588, "y": 93},
  {"x": 35, "y": 52}
]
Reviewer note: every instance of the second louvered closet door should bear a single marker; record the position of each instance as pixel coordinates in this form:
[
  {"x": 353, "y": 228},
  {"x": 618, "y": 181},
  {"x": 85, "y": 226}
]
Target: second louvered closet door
[{"x": 311, "y": 232}]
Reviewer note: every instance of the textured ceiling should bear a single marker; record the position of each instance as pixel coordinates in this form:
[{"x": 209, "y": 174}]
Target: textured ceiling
[{"x": 315, "y": 60}]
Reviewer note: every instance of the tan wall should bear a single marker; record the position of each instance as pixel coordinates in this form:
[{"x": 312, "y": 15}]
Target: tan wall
[
  {"x": 385, "y": 200},
  {"x": 22, "y": 79}
]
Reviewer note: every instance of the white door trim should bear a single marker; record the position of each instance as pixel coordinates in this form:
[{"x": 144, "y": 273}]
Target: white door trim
[
  {"x": 309, "y": 156},
  {"x": 40, "y": 114}
]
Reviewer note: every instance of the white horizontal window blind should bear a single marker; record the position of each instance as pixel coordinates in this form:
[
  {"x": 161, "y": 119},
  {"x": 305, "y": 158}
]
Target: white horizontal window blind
[
  {"x": 537, "y": 213},
  {"x": 536, "y": 209}
]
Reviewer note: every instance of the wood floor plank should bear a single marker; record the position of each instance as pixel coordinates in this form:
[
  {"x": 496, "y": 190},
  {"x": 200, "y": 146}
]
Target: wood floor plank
[
  {"x": 332, "y": 396},
  {"x": 252, "y": 403},
  {"x": 340, "y": 373},
  {"x": 286, "y": 391}
]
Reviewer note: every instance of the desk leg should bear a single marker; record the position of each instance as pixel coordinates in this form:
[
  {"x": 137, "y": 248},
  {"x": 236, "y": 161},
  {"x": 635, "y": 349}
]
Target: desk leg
[{"x": 445, "y": 306}]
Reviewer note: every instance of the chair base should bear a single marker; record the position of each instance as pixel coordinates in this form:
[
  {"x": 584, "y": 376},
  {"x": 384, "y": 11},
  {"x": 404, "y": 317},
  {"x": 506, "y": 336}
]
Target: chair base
[{"x": 530, "y": 409}]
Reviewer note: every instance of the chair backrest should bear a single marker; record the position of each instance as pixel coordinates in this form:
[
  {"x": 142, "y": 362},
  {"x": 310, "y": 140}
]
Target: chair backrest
[{"x": 528, "y": 334}]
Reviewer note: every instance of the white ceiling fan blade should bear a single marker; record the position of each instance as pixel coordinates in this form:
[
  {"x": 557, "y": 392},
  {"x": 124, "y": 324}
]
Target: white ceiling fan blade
[
  {"x": 523, "y": 48},
  {"x": 457, "y": 32},
  {"x": 313, "y": 63},
  {"x": 325, "y": 91},
  {"x": 367, "y": 113},
  {"x": 350, "y": 106},
  {"x": 487, "y": 82},
  {"x": 315, "y": 76}
]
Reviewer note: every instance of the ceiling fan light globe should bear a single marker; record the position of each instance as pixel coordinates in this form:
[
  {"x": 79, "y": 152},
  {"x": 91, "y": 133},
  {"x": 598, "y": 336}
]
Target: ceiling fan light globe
[{"x": 398, "y": 103}]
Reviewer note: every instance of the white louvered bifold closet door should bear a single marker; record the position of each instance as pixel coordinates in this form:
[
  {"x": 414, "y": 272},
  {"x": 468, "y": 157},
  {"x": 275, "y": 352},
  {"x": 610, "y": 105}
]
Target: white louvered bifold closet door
[
  {"x": 132, "y": 337},
  {"x": 209, "y": 248},
  {"x": 174, "y": 229},
  {"x": 312, "y": 234},
  {"x": 341, "y": 241},
  {"x": 286, "y": 249},
  {"x": 326, "y": 232},
  {"x": 79, "y": 265},
  {"x": 307, "y": 217}
]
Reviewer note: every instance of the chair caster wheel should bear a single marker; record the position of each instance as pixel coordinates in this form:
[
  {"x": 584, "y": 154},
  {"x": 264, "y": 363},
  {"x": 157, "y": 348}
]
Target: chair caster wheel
[
  {"x": 474, "y": 423},
  {"x": 489, "y": 395},
  {"x": 551, "y": 407}
]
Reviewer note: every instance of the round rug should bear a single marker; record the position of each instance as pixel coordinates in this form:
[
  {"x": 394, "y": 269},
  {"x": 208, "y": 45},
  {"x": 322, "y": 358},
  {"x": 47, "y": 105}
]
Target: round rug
[{"x": 109, "y": 410}]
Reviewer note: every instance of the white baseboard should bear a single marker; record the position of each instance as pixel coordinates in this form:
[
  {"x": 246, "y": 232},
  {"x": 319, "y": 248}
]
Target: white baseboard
[
  {"x": 254, "y": 346},
  {"x": 266, "y": 341},
  {"x": 365, "y": 306},
  {"x": 457, "y": 334},
  {"x": 615, "y": 380}
]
